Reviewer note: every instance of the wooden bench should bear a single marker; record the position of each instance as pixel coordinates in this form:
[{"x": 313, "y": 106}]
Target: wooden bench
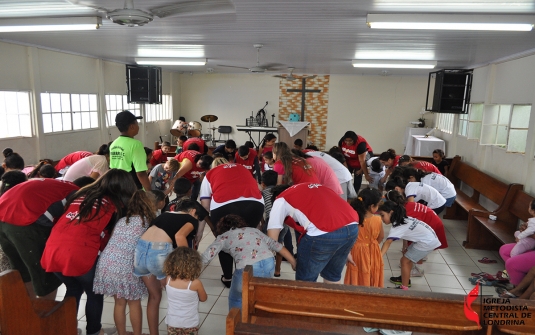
[
  {"x": 482, "y": 185},
  {"x": 286, "y": 307},
  {"x": 20, "y": 315},
  {"x": 487, "y": 234}
]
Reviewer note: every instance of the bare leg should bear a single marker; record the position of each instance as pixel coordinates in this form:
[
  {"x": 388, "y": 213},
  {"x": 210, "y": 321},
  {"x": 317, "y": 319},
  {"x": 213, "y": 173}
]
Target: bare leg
[
  {"x": 278, "y": 262},
  {"x": 406, "y": 266},
  {"x": 524, "y": 284},
  {"x": 119, "y": 315},
  {"x": 136, "y": 318},
  {"x": 153, "y": 305}
]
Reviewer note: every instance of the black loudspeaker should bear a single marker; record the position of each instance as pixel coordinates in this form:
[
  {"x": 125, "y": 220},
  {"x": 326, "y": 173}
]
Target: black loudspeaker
[
  {"x": 144, "y": 84},
  {"x": 448, "y": 91}
]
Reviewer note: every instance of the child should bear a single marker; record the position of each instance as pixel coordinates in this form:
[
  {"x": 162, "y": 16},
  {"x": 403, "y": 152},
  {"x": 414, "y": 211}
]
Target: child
[
  {"x": 437, "y": 181},
  {"x": 180, "y": 144},
  {"x": 267, "y": 144},
  {"x": 160, "y": 156},
  {"x": 423, "y": 237},
  {"x": 114, "y": 274},
  {"x": 161, "y": 174},
  {"x": 524, "y": 242},
  {"x": 184, "y": 291},
  {"x": 439, "y": 162},
  {"x": 159, "y": 199},
  {"x": 268, "y": 161},
  {"x": 248, "y": 246},
  {"x": 418, "y": 192},
  {"x": 298, "y": 144},
  {"x": 365, "y": 262},
  {"x": 377, "y": 172}
]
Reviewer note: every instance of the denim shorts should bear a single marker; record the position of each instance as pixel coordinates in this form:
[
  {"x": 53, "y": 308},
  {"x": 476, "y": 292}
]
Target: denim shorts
[
  {"x": 415, "y": 255},
  {"x": 149, "y": 258},
  {"x": 449, "y": 201},
  {"x": 325, "y": 254},
  {"x": 264, "y": 269}
]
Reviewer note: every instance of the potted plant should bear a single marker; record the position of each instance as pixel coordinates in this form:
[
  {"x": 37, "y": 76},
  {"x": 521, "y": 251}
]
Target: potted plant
[{"x": 422, "y": 122}]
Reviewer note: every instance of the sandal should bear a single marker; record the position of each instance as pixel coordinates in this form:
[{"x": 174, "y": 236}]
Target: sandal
[
  {"x": 226, "y": 282},
  {"x": 503, "y": 293},
  {"x": 482, "y": 281},
  {"x": 486, "y": 260}
]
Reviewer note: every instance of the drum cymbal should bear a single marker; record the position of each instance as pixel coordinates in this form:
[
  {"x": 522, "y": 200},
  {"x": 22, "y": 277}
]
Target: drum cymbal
[{"x": 209, "y": 118}]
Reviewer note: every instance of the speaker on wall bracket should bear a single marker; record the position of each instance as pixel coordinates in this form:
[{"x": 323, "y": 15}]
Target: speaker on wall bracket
[
  {"x": 448, "y": 91},
  {"x": 144, "y": 84}
]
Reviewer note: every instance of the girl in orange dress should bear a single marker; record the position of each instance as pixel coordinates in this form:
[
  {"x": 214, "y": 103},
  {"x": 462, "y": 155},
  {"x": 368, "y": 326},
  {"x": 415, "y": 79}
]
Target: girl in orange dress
[{"x": 364, "y": 262}]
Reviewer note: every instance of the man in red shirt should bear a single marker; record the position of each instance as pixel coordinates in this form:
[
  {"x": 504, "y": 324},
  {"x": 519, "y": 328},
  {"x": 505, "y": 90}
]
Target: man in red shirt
[
  {"x": 160, "y": 156},
  {"x": 328, "y": 226},
  {"x": 26, "y": 218},
  {"x": 192, "y": 165},
  {"x": 248, "y": 158}
]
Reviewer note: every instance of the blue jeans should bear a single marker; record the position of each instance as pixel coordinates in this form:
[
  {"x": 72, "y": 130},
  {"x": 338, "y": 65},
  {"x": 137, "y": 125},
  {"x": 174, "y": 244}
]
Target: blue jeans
[
  {"x": 264, "y": 269},
  {"x": 76, "y": 286},
  {"x": 149, "y": 258},
  {"x": 450, "y": 201},
  {"x": 325, "y": 254}
]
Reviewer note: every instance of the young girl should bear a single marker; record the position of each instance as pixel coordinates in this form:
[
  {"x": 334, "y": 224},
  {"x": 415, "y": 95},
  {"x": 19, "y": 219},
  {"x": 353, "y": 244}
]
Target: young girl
[
  {"x": 390, "y": 160},
  {"x": 423, "y": 237},
  {"x": 267, "y": 144},
  {"x": 524, "y": 242},
  {"x": 268, "y": 161},
  {"x": 290, "y": 168},
  {"x": 439, "y": 162},
  {"x": 437, "y": 181},
  {"x": 248, "y": 246},
  {"x": 184, "y": 291},
  {"x": 364, "y": 262},
  {"x": 114, "y": 274},
  {"x": 417, "y": 192}
]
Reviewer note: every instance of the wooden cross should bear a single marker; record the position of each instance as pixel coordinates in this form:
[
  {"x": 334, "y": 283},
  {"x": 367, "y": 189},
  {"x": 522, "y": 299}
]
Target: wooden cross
[{"x": 303, "y": 90}]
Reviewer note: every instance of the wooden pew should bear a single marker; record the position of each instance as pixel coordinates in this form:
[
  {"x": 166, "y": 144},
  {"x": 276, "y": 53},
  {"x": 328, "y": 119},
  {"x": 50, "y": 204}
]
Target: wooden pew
[
  {"x": 20, "y": 315},
  {"x": 482, "y": 185},
  {"x": 484, "y": 233},
  {"x": 286, "y": 307}
]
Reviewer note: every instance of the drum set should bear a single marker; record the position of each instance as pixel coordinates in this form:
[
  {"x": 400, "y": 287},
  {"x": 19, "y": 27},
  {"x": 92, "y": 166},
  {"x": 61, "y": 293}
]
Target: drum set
[{"x": 194, "y": 128}]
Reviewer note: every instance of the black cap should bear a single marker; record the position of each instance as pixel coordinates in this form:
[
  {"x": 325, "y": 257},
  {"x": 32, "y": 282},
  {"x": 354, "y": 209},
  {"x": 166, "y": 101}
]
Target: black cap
[{"x": 126, "y": 117}]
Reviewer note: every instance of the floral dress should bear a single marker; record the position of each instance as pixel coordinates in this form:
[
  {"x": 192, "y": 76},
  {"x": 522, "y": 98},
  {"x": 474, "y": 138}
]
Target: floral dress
[{"x": 115, "y": 268}]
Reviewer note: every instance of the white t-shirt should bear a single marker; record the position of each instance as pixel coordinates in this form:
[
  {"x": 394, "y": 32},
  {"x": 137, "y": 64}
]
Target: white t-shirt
[
  {"x": 86, "y": 166},
  {"x": 416, "y": 231},
  {"x": 375, "y": 175},
  {"x": 421, "y": 191},
  {"x": 441, "y": 184},
  {"x": 342, "y": 173}
]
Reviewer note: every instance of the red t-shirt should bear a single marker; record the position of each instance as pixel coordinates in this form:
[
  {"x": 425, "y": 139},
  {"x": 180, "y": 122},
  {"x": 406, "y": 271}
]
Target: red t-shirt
[
  {"x": 228, "y": 182},
  {"x": 70, "y": 159},
  {"x": 425, "y": 166},
  {"x": 247, "y": 163},
  {"x": 24, "y": 203},
  {"x": 73, "y": 246},
  {"x": 352, "y": 152},
  {"x": 324, "y": 208},
  {"x": 300, "y": 174},
  {"x": 197, "y": 140},
  {"x": 158, "y": 157},
  {"x": 325, "y": 174},
  {"x": 190, "y": 155},
  {"x": 427, "y": 215}
]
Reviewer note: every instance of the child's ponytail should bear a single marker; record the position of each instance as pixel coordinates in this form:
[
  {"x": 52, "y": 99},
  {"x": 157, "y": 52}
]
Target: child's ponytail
[
  {"x": 398, "y": 212},
  {"x": 366, "y": 198}
]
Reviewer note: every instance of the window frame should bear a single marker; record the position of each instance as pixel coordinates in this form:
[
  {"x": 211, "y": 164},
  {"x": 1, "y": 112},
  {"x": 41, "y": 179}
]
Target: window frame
[
  {"x": 68, "y": 112},
  {"x": 19, "y": 115}
]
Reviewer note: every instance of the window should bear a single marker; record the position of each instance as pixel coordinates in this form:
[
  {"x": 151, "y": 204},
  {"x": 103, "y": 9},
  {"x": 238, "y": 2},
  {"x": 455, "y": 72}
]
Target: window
[
  {"x": 445, "y": 122},
  {"x": 506, "y": 126},
  {"x": 64, "y": 112},
  {"x": 116, "y": 104},
  {"x": 157, "y": 112},
  {"x": 15, "y": 117},
  {"x": 470, "y": 124}
]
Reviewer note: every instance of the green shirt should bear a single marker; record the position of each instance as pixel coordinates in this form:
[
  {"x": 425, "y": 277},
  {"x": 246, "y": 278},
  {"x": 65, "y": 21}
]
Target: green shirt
[{"x": 126, "y": 152}]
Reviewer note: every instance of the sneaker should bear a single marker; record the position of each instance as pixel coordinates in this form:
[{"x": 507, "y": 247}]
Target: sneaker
[
  {"x": 417, "y": 271},
  {"x": 401, "y": 288},
  {"x": 108, "y": 331},
  {"x": 397, "y": 281}
]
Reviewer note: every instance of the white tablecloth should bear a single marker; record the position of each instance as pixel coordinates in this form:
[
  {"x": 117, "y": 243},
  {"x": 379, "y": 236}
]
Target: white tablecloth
[
  {"x": 293, "y": 127},
  {"x": 424, "y": 146},
  {"x": 408, "y": 140}
]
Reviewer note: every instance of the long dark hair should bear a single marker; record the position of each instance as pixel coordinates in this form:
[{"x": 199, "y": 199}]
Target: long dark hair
[
  {"x": 398, "y": 212},
  {"x": 396, "y": 197},
  {"x": 116, "y": 185},
  {"x": 228, "y": 222},
  {"x": 389, "y": 154},
  {"x": 349, "y": 134},
  {"x": 395, "y": 182},
  {"x": 13, "y": 160},
  {"x": 267, "y": 138},
  {"x": 366, "y": 198},
  {"x": 412, "y": 172},
  {"x": 288, "y": 159},
  {"x": 140, "y": 204},
  {"x": 10, "y": 179}
]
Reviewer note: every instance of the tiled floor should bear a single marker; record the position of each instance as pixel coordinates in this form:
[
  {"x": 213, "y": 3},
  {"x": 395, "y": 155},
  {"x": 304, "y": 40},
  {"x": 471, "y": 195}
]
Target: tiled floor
[{"x": 446, "y": 271}]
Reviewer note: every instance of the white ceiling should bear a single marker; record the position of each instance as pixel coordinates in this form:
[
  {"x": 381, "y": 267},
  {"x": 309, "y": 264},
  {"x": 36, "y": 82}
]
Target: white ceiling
[{"x": 314, "y": 36}]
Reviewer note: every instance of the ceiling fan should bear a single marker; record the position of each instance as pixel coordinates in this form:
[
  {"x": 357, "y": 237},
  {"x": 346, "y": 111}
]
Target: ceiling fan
[
  {"x": 291, "y": 77},
  {"x": 257, "y": 68},
  {"x": 130, "y": 16}
]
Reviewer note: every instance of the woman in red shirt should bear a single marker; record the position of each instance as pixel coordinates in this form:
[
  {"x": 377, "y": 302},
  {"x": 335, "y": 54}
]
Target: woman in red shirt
[
  {"x": 356, "y": 151},
  {"x": 290, "y": 168},
  {"x": 390, "y": 160},
  {"x": 72, "y": 249}
]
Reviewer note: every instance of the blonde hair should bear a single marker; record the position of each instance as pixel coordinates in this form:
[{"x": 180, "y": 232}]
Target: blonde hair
[
  {"x": 174, "y": 165},
  {"x": 219, "y": 161},
  {"x": 183, "y": 263}
]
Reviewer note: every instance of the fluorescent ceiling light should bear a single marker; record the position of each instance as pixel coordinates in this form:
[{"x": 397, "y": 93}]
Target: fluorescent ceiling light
[
  {"x": 171, "y": 61},
  {"x": 171, "y": 50},
  {"x": 395, "y": 54},
  {"x": 456, "y": 5},
  {"x": 394, "y": 64},
  {"x": 451, "y": 22},
  {"x": 50, "y": 24}
]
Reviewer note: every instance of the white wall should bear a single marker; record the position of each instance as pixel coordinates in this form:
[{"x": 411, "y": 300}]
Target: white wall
[
  {"x": 378, "y": 108},
  {"x": 511, "y": 82},
  {"x": 38, "y": 70}
]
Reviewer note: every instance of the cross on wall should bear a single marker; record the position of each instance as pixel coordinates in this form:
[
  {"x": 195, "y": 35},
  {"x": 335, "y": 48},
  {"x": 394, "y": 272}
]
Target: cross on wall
[{"x": 303, "y": 91}]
